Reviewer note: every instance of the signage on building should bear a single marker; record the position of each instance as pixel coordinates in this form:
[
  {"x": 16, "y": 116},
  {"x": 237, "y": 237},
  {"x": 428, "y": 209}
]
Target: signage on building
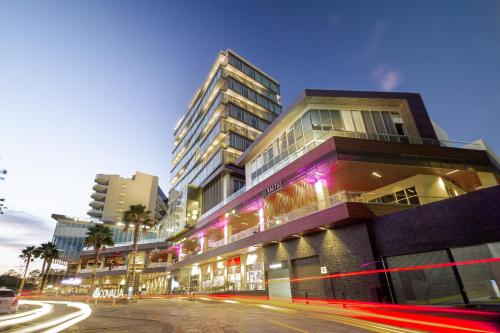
[
  {"x": 107, "y": 293},
  {"x": 273, "y": 188},
  {"x": 323, "y": 270}
]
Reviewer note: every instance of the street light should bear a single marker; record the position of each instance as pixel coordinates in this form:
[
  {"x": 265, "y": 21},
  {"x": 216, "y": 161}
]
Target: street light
[{"x": 385, "y": 273}]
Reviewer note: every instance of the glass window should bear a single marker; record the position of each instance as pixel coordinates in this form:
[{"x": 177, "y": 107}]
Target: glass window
[
  {"x": 368, "y": 121},
  {"x": 337, "y": 120},
  {"x": 358, "y": 121},
  {"x": 306, "y": 122},
  {"x": 297, "y": 127},
  {"x": 347, "y": 120},
  {"x": 291, "y": 137},
  {"x": 389, "y": 125},
  {"x": 316, "y": 121},
  {"x": 379, "y": 123},
  {"x": 326, "y": 120}
]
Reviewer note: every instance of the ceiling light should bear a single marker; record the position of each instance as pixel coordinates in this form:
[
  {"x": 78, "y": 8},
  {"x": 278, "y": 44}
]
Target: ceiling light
[
  {"x": 296, "y": 236},
  {"x": 322, "y": 228},
  {"x": 376, "y": 174},
  {"x": 451, "y": 172}
]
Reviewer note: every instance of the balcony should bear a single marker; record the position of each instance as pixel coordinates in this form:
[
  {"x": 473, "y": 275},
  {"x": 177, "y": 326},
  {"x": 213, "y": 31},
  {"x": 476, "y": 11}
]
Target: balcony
[
  {"x": 158, "y": 264},
  {"x": 100, "y": 188},
  {"x": 102, "y": 179},
  {"x": 95, "y": 213},
  {"x": 98, "y": 196},
  {"x": 98, "y": 205}
]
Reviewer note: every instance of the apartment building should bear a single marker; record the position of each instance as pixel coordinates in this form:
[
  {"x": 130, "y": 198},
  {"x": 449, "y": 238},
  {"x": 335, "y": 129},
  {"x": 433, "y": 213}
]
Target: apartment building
[
  {"x": 234, "y": 105},
  {"x": 114, "y": 194}
]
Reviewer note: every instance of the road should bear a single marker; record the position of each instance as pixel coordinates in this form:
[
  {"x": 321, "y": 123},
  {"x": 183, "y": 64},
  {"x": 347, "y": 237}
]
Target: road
[
  {"x": 213, "y": 316},
  {"x": 231, "y": 315}
]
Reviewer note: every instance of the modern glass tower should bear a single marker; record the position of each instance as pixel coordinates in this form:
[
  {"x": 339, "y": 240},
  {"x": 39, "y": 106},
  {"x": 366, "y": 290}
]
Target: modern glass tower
[{"x": 229, "y": 111}]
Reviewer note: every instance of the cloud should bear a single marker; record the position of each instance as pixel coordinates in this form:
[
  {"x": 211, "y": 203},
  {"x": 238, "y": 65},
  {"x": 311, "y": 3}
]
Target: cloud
[
  {"x": 18, "y": 230},
  {"x": 374, "y": 44},
  {"x": 387, "y": 79}
]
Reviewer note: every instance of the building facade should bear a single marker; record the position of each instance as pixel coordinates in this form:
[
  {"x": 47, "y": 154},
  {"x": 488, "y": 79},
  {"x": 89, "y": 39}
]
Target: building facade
[
  {"x": 114, "y": 194},
  {"x": 319, "y": 182},
  {"x": 341, "y": 185},
  {"x": 69, "y": 238},
  {"x": 235, "y": 104}
]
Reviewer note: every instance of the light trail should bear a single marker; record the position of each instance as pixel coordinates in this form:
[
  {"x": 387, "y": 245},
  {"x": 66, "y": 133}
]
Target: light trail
[
  {"x": 63, "y": 322},
  {"x": 398, "y": 269},
  {"x": 24, "y": 317}
]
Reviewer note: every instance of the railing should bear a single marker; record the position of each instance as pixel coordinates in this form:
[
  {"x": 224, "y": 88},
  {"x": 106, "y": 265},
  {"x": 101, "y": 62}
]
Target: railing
[
  {"x": 296, "y": 153},
  {"x": 336, "y": 199},
  {"x": 158, "y": 264},
  {"x": 243, "y": 234}
]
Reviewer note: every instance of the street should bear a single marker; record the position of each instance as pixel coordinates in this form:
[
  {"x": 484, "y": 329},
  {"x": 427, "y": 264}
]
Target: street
[{"x": 180, "y": 315}]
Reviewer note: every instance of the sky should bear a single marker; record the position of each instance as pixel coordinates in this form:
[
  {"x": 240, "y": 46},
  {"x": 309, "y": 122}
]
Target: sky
[{"x": 91, "y": 87}]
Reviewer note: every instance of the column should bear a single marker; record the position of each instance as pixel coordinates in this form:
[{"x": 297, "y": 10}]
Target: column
[
  {"x": 321, "y": 193},
  {"x": 228, "y": 232},
  {"x": 169, "y": 258}
]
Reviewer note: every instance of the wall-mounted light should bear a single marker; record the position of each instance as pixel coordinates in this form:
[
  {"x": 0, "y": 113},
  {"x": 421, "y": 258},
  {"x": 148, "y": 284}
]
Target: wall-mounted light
[
  {"x": 451, "y": 172},
  {"x": 376, "y": 174},
  {"x": 277, "y": 265}
]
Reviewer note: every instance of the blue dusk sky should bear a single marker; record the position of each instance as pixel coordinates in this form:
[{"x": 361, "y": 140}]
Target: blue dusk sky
[{"x": 92, "y": 87}]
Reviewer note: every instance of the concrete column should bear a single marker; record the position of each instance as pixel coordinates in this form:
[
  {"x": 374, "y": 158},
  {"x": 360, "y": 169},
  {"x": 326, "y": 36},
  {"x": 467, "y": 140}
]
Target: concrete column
[
  {"x": 262, "y": 221},
  {"x": 321, "y": 193},
  {"x": 170, "y": 257},
  {"x": 487, "y": 179},
  {"x": 228, "y": 232},
  {"x": 203, "y": 244}
]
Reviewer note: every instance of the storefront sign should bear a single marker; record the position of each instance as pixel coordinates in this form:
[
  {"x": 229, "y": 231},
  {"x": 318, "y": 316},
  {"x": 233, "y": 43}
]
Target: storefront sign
[
  {"x": 273, "y": 188},
  {"x": 107, "y": 293}
]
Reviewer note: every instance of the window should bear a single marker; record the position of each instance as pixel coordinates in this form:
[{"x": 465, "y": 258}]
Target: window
[
  {"x": 347, "y": 120},
  {"x": 297, "y": 127},
  {"x": 326, "y": 120},
  {"x": 358, "y": 122},
  {"x": 239, "y": 142},
  {"x": 316, "y": 121},
  {"x": 306, "y": 122},
  {"x": 337, "y": 120}
]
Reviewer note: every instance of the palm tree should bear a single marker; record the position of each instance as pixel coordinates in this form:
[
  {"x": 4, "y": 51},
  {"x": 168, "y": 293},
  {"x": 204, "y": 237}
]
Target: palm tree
[
  {"x": 28, "y": 254},
  {"x": 98, "y": 236},
  {"x": 139, "y": 218},
  {"x": 49, "y": 252}
]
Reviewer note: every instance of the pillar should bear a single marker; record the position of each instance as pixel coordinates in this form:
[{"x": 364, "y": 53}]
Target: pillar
[
  {"x": 321, "y": 193},
  {"x": 228, "y": 232}
]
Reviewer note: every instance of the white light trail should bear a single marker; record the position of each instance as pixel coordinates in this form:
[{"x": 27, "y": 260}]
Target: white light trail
[
  {"x": 62, "y": 322},
  {"x": 230, "y": 301},
  {"x": 27, "y": 316}
]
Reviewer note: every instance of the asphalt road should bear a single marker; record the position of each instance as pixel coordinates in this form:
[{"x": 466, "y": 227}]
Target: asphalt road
[{"x": 210, "y": 316}]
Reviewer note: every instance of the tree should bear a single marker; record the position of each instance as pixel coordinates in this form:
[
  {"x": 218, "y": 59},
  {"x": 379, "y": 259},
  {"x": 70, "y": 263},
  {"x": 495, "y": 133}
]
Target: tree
[
  {"x": 48, "y": 252},
  {"x": 33, "y": 277},
  {"x": 28, "y": 254},
  {"x": 138, "y": 218},
  {"x": 98, "y": 237}
]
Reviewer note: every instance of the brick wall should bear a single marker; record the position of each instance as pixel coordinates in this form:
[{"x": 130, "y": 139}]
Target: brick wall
[
  {"x": 470, "y": 219},
  {"x": 341, "y": 249}
]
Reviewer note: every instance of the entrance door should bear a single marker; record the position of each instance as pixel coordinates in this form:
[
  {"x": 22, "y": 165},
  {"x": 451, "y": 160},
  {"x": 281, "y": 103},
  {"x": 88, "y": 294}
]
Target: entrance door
[{"x": 303, "y": 268}]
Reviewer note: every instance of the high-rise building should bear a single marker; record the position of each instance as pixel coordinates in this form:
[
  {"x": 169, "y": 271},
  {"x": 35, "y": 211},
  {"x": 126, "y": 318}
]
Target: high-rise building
[
  {"x": 234, "y": 105},
  {"x": 114, "y": 194}
]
